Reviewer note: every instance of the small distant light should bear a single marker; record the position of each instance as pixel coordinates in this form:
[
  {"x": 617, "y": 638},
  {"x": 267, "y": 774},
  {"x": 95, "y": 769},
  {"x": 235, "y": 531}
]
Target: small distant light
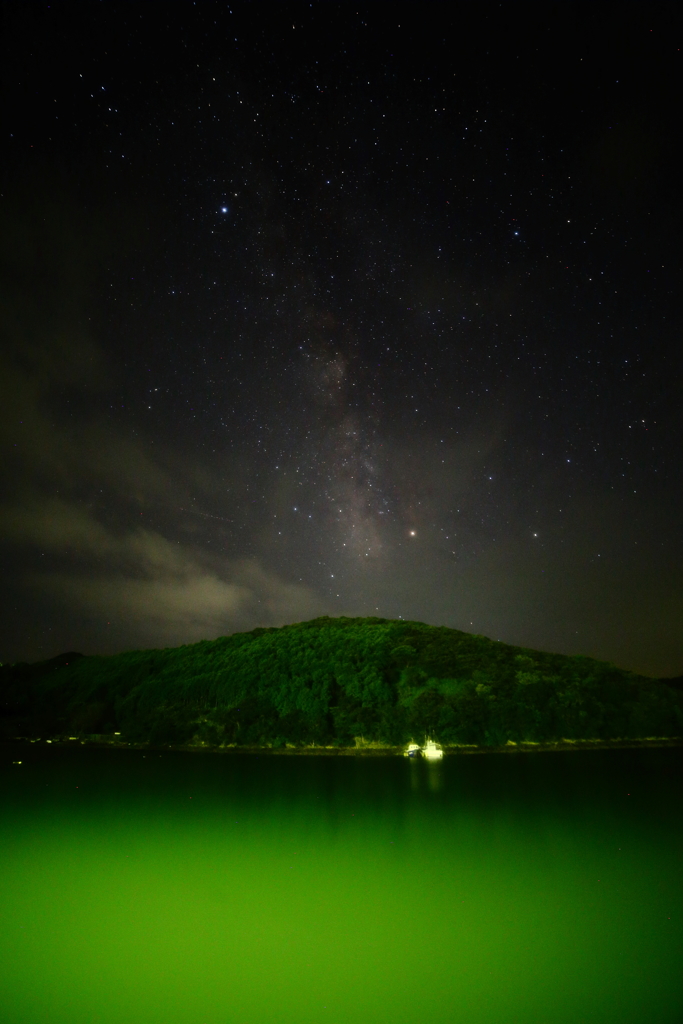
[
  {"x": 224, "y": 209},
  {"x": 412, "y": 533}
]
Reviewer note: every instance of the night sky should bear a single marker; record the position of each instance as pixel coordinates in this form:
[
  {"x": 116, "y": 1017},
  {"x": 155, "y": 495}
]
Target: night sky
[{"x": 326, "y": 309}]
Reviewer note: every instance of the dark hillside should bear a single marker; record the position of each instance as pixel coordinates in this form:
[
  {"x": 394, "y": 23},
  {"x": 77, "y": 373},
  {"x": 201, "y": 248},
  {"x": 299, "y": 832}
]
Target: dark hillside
[{"x": 329, "y": 681}]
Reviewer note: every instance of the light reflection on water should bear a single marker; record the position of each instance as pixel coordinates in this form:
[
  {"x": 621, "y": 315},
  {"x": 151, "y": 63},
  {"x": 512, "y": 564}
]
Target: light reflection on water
[
  {"x": 184, "y": 888},
  {"x": 426, "y": 775}
]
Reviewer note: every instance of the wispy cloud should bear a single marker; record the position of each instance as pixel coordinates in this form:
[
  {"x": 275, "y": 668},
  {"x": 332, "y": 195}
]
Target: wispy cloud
[
  {"x": 156, "y": 590},
  {"x": 74, "y": 479}
]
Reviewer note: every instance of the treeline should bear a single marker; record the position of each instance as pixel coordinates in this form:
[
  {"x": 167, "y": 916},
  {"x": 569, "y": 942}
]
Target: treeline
[{"x": 329, "y": 681}]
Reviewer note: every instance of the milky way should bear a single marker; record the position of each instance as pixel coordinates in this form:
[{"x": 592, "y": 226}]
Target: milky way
[{"x": 335, "y": 312}]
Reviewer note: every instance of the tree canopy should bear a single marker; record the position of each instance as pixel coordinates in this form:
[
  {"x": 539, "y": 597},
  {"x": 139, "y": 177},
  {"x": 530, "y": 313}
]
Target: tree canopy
[{"x": 331, "y": 680}]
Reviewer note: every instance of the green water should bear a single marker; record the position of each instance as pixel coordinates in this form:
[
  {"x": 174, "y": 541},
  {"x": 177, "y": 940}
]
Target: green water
[{"x": 239, "y": 889}]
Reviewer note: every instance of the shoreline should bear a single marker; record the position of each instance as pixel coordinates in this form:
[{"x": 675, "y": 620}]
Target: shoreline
[{"x": 360, "y": 750}]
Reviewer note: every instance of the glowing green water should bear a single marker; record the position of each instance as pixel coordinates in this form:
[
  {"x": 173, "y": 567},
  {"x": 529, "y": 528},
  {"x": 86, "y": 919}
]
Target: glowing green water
[{"x": 240, "y": 890}]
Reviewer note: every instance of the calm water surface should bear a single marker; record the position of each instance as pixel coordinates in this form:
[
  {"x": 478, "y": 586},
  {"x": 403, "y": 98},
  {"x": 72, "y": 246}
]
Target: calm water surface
[{"x": 235, "y": 889}]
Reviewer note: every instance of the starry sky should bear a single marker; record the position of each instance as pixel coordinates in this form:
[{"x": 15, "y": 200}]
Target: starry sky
[{"x": 332, "y": 309}]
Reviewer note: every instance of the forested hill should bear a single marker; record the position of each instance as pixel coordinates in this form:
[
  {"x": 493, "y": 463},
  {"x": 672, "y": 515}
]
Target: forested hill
[{"x": 329, "y": 681}]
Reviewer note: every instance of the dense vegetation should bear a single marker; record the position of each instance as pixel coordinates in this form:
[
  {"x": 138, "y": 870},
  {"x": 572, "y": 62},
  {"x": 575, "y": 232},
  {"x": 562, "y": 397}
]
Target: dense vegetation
[{"x": 329, "y": 681}]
